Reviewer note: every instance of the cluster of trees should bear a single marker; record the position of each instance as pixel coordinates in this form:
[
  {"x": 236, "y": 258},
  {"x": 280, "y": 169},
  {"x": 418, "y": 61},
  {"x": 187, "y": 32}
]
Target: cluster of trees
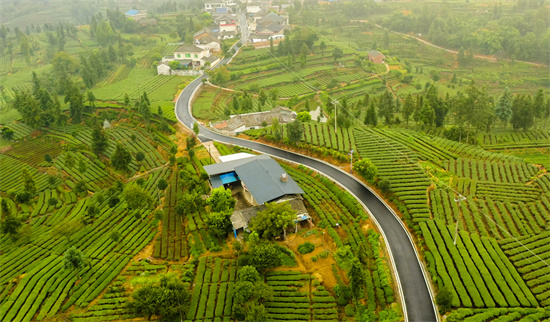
[
  {"x": 168, "y": 298},
  {"x": 521, "y": 33},
  {"x": 250, "y": 295},
  {"x": 40, "y": 108},
  {"x": 473, "y": 109}
]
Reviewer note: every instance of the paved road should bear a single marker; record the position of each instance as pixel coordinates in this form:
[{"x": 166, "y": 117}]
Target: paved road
[{"x": 418, "y": 302}]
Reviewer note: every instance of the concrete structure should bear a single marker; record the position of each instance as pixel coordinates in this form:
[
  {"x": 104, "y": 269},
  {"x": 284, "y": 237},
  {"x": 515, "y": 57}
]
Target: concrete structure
[
  {"x": 376, "y": 57},
  {"x": 235, "y": 156},
  {"x": 242, "y": 122}
]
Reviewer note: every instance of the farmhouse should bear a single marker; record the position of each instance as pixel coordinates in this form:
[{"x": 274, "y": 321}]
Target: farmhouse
[
  {"x": 242, "y": 122},
  {"x": 136, "y": 15},
  {"x": 189, "y": 56},
  {"x": 376, "y": 57},
  {"x": 227, "y": 22},
  {"x": 213, "y": 5},
  {"x": 260, "y": 179}
]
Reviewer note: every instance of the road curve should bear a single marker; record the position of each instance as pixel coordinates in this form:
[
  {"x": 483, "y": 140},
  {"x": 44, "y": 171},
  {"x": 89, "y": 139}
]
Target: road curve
[{"x": 418, "y": 300}]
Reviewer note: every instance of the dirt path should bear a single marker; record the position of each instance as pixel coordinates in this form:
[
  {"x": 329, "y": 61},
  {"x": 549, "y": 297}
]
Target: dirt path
[{"x": 489, "y": 58}]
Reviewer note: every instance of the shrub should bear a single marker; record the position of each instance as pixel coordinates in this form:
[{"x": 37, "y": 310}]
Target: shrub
[
  {"x": 350, "y": 310},
  {"x": 306, "y": 248}
]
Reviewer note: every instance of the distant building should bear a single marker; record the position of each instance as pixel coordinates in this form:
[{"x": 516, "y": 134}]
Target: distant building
[
  {"x": 192, "y": 57},
  {"x": 242, "y": 122},
  {"x": 213, "y": 5},
  {"x": 135, "y": 14},
  {"x": 376, "y": 57},
  {"x": 227, "y": 22}
]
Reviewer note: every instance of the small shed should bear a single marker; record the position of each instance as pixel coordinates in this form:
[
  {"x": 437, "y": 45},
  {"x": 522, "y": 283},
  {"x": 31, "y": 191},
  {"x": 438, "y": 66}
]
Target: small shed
[{"x": 376, "y": 57}]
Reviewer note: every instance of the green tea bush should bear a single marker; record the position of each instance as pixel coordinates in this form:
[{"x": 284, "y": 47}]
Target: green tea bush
[{"x": 306, "y": 248}]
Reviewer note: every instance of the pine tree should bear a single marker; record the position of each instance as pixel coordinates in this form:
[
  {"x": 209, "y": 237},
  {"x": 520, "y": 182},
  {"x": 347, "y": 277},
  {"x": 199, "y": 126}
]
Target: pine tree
[{"x": 121, "y": 158}]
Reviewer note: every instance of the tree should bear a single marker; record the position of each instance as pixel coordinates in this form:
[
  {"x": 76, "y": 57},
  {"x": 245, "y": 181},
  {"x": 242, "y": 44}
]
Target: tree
[
  {"x": 121, "y": 158},
  {"x": 145, "y": 301},
  {"x": 82, "y": 166},
  {"x": 221, "y": 200},
  {"x": 262, "y": 257},
  {"x": 337, "y": 53},
  {"x": 7, "y": 133},
  {"x": 273, "y": 220},
  {"x": 115, "y": 236},
  {"x": 538, "y": 105},
  {"x": 276, "y": 128},
  {"x": 48, "y": 158},
  {"x": 100, "y": 141},
  {"x": 304, "y": 116},
  {"x": 136, "y": 197},
  {"x": 408, "y": 108},
  {"x": 91, "y": 99},
  {"x": 295, "y": 131},
  {"x": 140, "y": 156},
  {"x": 427, "y": 114},
  {"x": 169, "y": 298},
  {"x": 356, "y": 278},
  {"x": 366, "y": 169},
  {"x": 218, "y": 224},
  {"x": 81, "y": 188},
  {"x": 322, "y": 46},
  {"x": 385, "y": 186},
  {"x": 370, "y": 117},
  {"x": 29, "y": 186},
  {"x": 248, "y": 274},
  {"x": 163, "y": 184},
  {"x": 10, "y": 225},
  {"x": 74, "y": 260},
  {"x": 69, "y": 160},
  {"x": 503, "y": 109},
  {"x": 522, "y": 112},
  {"x": 196, "y": 128},
  {"x": 444, "y": 299},
  {"x": 386, "y": 106},
  {"x": 76, "y": 103}
]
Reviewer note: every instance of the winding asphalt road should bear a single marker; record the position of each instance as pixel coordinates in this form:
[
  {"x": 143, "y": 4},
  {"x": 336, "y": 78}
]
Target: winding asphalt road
[{"x": 418, "y": 301}]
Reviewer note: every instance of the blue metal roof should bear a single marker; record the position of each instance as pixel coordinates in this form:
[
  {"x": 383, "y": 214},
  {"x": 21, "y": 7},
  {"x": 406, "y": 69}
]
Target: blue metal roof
[
  {"x": 229, "y": 177},
  {"x": 132, "y": 12}
]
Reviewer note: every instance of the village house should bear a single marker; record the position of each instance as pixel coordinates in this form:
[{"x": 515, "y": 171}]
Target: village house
[
  {"x": 212, "y": 5},
  {"x": 227, "y": 22},
  {"x": 376, "y": 57},
  {"x": 250, "y": 121},
  {"x": 258, "y": 179},
  {"x": 135, "y": 14},
  {"x": 190, "y": 57}
]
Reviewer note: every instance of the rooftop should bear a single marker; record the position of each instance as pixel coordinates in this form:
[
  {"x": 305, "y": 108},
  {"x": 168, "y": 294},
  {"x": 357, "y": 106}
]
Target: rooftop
[
  {"x": 374, "y": 53},
  {"x": 132, "y": 12},
  {"x": 188, "y": 49},
  {"x": 260, "y": 174}
]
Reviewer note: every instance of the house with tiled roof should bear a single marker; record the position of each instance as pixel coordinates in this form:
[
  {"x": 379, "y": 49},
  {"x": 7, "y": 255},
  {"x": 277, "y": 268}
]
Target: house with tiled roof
[{"x": 250, "y": 121}]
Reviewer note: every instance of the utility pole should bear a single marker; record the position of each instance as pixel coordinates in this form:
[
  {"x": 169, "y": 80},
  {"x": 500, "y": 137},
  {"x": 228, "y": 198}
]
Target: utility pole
[
  {"x": 335, "y": 102},
  {"x": 458, "y": 200}
]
